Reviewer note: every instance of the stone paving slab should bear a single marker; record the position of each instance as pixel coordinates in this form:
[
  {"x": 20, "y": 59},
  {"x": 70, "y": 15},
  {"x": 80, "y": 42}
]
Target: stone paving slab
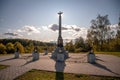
[
  {"x": 12, "y": 72},
  {"x": 107, "y": 65}
]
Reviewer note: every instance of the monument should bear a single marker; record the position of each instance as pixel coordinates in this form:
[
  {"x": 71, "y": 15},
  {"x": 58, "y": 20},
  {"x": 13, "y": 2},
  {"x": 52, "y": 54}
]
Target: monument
[{"x": 60, "y": 54}]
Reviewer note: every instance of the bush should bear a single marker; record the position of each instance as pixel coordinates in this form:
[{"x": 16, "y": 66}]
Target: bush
[
  {"x": 78, "y": 50},
  {"x": 2, "y": 49}
]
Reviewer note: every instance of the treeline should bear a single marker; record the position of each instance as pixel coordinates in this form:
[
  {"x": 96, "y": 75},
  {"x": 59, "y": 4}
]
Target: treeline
[
  {"x": 24, "y": 45},
  {"x": 101, "y": 37},
  {"x": 79, "y": 45}
]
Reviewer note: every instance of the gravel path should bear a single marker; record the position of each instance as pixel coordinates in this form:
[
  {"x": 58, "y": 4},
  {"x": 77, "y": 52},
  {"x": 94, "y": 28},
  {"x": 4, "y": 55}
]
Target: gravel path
[{"x": 107, "y": 65}]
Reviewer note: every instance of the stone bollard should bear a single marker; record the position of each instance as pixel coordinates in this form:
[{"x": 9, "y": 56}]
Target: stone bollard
[
  {"x": 66, "y": 55},
  {"x": 17, "y": 53},
  {"x": 46, "y": 51},
  {"x": 91, "y": 58},
  {"x": 35, "y": 54}
]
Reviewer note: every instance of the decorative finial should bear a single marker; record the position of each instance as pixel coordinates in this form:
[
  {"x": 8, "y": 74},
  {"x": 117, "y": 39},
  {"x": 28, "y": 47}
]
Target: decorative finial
[{"x": 60, "y": 12}]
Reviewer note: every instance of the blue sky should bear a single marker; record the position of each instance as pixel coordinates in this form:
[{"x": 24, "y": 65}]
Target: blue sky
[{"x": 15, "y": 15}]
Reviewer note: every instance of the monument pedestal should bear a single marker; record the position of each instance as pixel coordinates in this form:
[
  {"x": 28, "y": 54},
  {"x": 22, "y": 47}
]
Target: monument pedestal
[
  {"x": 35, "y": 56},
  {"x": 59, "y": 54},
  {"x": 60, "y": 57},
  {"x": 16, "y": 55}
]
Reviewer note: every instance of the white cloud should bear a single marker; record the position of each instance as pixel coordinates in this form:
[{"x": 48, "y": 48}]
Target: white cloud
[
  {"x": 81, "y": 33},
  {"x": 50, "y": 32},
  {"x": 70, "y": 32},
  {"x": 29, "y": 29},
  {"x": 72, "y": 27},
  {"x": 12, "y": 34},
  {"x": 44, "y": 28},
  {"x": 55, "y": 27},
  {"x": 115, "y": 26}
]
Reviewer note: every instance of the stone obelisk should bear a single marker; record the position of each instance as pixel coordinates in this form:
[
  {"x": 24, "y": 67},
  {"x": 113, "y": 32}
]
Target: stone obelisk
[
  {"x": 60, "y": 40},
  {"x": 60, "y": 54}
]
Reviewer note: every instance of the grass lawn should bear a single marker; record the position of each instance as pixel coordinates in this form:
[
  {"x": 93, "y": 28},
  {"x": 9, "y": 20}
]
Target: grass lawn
[
  {"x": 46, "y": 75},
  {"x": 109, "y": 53},
  {"x": 3, "y": 66}
]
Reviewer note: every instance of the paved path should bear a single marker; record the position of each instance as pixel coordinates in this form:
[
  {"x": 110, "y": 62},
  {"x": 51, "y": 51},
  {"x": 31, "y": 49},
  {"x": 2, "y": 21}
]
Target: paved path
[{"x": 107, "y": 65}]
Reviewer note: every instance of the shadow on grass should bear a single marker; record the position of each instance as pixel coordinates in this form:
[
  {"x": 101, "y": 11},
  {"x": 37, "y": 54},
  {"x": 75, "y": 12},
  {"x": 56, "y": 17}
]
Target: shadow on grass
[
  {"x": 104, "y": 67},
  {"x": 59, "y": 66}
]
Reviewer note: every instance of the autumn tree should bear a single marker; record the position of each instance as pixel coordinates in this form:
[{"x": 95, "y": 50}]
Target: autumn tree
[
  {"x": 79, "y": 42},
  {"x": 118, "y": 36},
  {"x": 98, "y": 32},
  {"x": 80, "y": 45},
  {"x": 2, "y": 49},
  {"x": 29, "y": 48},
  {"x": 70, "y": 47},
  {"x": 19, "y": 46},
  {"x": 118, "y": 30},
  {"x": 10, "y": 47}
]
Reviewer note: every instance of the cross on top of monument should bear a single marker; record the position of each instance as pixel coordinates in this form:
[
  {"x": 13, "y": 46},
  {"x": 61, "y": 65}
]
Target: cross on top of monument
[{"x": 60, "y": 12}]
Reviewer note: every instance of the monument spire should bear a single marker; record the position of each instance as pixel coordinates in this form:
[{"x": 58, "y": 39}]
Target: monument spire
[
  {"x": 60, "y": 40},
  {"x": 60, "y": 22}
]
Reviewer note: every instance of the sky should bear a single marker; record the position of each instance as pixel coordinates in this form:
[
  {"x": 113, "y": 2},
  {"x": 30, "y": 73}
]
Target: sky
[{"x": 38, "y": 19}]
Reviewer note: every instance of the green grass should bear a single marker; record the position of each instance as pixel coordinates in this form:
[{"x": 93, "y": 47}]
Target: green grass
[
  {"x": 3, "y": 66},
  {"x": 46, "y": 75},
  {"x": 109, "y": 53}
]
